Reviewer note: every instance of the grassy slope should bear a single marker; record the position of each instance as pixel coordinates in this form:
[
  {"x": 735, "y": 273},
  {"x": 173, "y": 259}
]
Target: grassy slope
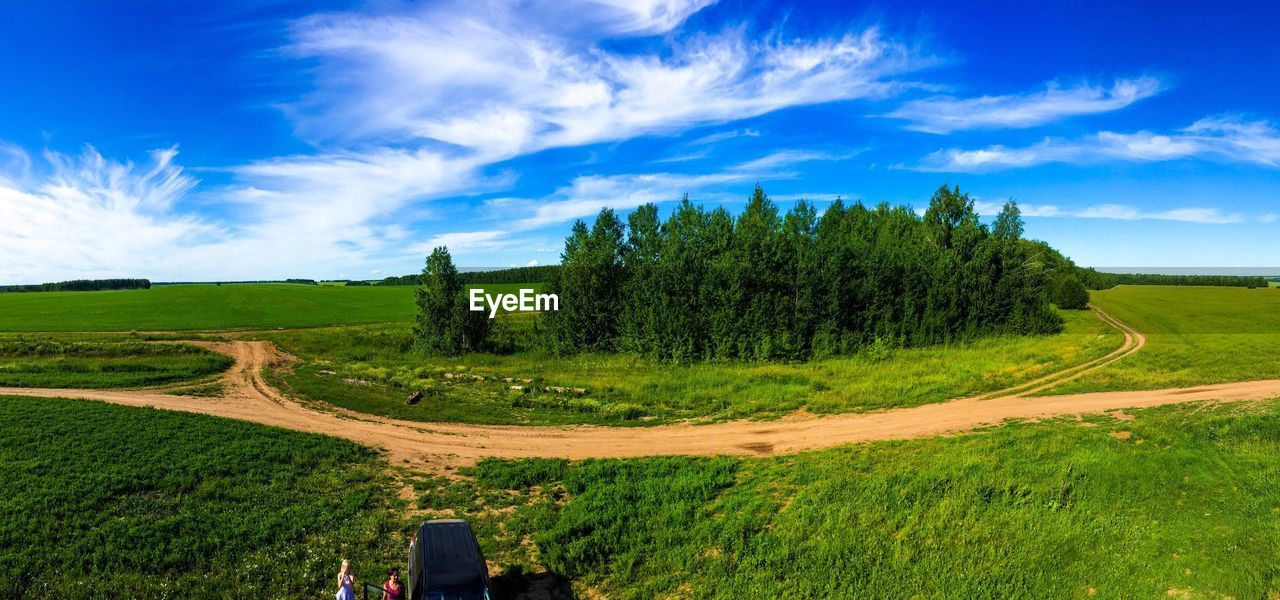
[
  {"x": 370, "y": 369},
  {"x": 206, "y": 306},
  {"x": 1186, "y": 503},
  {"x": 101, "y": 362},
  {"x": 1195, "y": 335},
  {"x": 108, "y": 501}
]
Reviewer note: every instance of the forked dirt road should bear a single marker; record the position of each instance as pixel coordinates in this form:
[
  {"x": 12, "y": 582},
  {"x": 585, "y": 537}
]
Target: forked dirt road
[{"x": 435, "y": 445}]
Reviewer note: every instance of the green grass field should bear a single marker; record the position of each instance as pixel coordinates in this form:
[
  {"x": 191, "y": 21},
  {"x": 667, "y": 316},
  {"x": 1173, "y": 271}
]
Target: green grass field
[
  {"x": 1181, "y": 502},
  {"x": 105, "y": 501},
  {"x": 207, "y": 306},
  {"x": 1195, "y": 336},
  {"x": 372, "y": 369},
  {"x": 102, "y": 362}
]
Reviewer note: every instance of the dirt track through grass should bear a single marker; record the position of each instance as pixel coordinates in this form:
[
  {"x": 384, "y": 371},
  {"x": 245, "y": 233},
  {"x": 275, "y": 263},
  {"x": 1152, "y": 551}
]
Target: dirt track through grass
[
  {"x": 434, "y": 445},
  {"x": 1133, "y": 342}
]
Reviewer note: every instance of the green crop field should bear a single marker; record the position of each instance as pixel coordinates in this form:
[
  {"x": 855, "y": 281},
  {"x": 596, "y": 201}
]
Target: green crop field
[
  {"x": 372, "y": 369},
  {"x": 208, "y": 306},
  {"x": 104, "y": 501},
  {"x": 101, "y": 362},
  {"x": 1180, "y": 502},
  {"x": 1195, "y": 335}
]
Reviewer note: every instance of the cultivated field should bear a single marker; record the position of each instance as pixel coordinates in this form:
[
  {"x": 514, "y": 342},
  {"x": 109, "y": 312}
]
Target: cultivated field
[
  {"x": 1195, "y": 336},
  {"x": 109, "y": 501},
  {"x": 208, "y": 306}
]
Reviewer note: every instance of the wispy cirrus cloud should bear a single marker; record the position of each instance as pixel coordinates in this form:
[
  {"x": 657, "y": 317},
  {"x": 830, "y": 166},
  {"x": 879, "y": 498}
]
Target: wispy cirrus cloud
[
  {"x": 1224, "y": 138},
  {"x": 499, "y": 82},
  {"x": 945, "y": 114},
  {"x": 453, "y": 88},
  {"x": 623, "y": 17},
  {"x": 584, "y": 196},
  {"x": 720, "y": 136},
  {"x": 413, "y": 103},
  {"x": 465, "y": 240},
  {"x": 1120, "y": 212},
  {"x": 85, "y": 215},
  {"x": 1124, "y": 212}
]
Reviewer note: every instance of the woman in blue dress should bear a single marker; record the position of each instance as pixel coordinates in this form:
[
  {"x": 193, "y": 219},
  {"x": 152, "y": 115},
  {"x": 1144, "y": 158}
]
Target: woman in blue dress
[{"x": 346, "y": 582}]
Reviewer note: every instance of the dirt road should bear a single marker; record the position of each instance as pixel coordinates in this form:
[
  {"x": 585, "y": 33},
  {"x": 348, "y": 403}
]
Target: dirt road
[{"x": 433, "y": 445}]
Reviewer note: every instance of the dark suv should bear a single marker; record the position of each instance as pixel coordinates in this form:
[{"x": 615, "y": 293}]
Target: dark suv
[{"x": 445, "y": 563}]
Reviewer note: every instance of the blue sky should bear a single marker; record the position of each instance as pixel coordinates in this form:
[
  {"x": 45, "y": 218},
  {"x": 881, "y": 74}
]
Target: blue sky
[{"x": 228, "y": 140}]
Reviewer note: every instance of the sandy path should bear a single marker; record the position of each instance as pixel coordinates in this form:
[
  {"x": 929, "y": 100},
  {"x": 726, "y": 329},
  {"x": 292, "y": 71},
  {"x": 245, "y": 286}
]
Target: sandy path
[{"x": 433, "y": 445}]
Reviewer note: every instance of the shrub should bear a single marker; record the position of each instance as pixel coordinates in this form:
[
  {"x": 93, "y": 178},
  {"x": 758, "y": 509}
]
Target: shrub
[{"x": 1070, "y": 294}]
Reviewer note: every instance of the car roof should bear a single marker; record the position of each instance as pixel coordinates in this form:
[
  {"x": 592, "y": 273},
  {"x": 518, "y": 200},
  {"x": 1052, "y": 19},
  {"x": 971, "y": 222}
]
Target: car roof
[{"x": 450, "y": 555}]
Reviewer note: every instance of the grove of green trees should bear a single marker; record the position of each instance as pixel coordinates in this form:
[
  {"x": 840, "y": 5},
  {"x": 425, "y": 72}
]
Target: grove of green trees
[
  {"x": 768, "y": 285},
  {"x": 445, "y": 324},
  {"x": 764, "y": 285}
]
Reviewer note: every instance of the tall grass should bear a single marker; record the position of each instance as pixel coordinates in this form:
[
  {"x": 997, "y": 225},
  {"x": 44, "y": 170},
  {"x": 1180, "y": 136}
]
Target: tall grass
[
  {"x": 90, "y": 363},
  {"x": 372, "y": 369}
]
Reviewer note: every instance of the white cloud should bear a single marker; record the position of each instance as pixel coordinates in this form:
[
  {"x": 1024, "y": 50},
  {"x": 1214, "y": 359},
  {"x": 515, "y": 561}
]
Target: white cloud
[
  {"x": 686, "y": 157},
  {"x": 721, "y": 136},
  {"x": 1118, "y": 212},
  {"x": 1129, "y": 213},
  {"x": 785, "y": 158},
  {"x": 1223, "y": 138},
  {"x": 434, "y": 97},
  {"x": 501, "y": 83},
  {"x": 944, "y": 114},
  {"x": 586, "y": 195},
  {"x": 638, "y": 17},
  {"x": 989, "y": 209},
  {"x": 84, "y": 215},
  {"x": 471, "y": 240}
]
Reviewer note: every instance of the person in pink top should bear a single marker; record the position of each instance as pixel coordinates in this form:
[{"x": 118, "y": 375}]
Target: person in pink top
[{"x": 393, "y": 589}]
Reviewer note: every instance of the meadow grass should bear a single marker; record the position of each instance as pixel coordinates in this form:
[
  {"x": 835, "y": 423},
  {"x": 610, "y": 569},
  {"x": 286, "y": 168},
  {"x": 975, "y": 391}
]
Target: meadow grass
[
  {"x": 105, "y": 501},
  {"x": 102, "y": 362},
  {"x": 1195, "y": 336},
  {"x": 372, "y": 369},
  {"x": 209, "y": 306},
  {"x": 1180, "y": 502}
]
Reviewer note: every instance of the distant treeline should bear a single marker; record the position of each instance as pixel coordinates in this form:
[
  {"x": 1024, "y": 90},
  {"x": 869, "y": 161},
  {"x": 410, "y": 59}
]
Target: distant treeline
[
  {"x": 296, "y": 281},
  {"x": 81, "y": 285},
  {"x": 1095, "y": 280},
  {"x": 1060, "y": 265},
  {"x": 763, "y": 285},
  {"x": 512, "y": 275}
]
